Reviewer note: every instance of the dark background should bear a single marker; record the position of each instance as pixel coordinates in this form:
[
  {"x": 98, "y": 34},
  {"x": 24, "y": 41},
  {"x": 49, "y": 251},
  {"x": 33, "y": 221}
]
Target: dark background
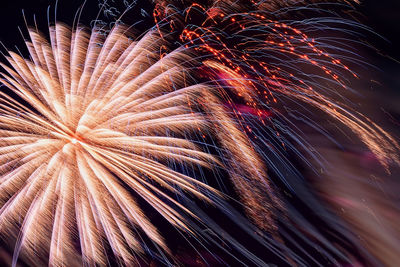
[{"x": 383, "y": 16}]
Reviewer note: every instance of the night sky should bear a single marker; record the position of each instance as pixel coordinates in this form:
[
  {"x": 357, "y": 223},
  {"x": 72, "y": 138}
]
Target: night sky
[{"x": 382, "y": 16}]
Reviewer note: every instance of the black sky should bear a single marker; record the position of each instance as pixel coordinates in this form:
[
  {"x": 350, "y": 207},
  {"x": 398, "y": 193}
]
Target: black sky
[{"x": 383, "y": 16}]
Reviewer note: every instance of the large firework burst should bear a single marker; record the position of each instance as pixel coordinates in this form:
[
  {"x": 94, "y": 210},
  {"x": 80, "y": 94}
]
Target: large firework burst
[{"x": 100, "y": 117}]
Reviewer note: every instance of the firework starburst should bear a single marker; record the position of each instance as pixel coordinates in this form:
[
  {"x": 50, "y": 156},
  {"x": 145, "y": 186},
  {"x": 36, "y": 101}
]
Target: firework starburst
[{"x": 99, "y": 117}]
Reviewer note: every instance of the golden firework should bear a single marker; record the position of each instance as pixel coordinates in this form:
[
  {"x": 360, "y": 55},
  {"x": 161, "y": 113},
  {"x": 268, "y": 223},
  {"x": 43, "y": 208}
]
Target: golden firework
[{"x": 97, "y": 117}]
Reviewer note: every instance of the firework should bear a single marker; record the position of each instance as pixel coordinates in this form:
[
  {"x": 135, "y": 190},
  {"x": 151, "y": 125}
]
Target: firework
[
  {"x": 288, "y": 69},
  {"x": 101, "y": 130},
  {"x": 255, "y": 50},
  {"x": 100, "y": 116}
]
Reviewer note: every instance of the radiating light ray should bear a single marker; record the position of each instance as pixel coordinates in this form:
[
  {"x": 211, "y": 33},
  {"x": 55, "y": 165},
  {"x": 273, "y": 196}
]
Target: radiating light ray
[{"x": 100, "y": 115}]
